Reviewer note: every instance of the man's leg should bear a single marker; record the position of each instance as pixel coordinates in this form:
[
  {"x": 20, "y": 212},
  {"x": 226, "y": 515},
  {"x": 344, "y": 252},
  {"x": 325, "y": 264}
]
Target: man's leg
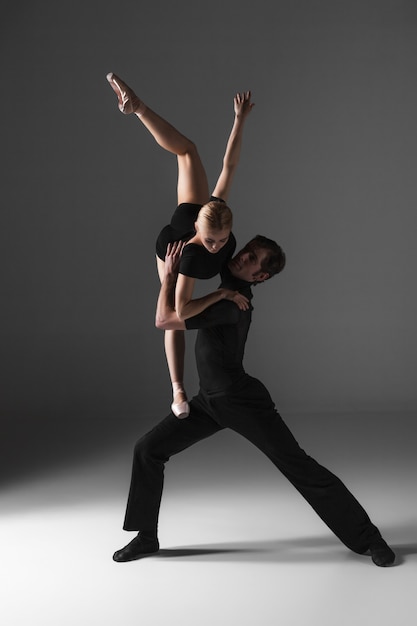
[
  {"x": 252, "y": 414},
  {"x": 151, "y": 453}
]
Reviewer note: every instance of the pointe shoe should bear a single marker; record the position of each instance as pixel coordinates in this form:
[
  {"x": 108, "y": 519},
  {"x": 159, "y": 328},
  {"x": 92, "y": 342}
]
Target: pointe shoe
[
  {"x": 180, "y": 409},
  {"x": 128, "y": 101}
]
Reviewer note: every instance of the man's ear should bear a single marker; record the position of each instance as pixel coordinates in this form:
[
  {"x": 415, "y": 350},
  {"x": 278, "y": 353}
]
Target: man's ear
[
  {"x": 261, "y": 277},
  {"x": 196, "y": 227}
]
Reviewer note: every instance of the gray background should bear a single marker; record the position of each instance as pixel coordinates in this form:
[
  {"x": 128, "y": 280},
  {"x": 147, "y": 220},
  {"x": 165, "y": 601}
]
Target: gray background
[{"x": 328, "y": 170}]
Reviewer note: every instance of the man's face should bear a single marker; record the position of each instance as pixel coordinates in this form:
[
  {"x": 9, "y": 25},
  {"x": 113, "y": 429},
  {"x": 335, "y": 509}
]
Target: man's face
[{"x": 247, "y": 264}]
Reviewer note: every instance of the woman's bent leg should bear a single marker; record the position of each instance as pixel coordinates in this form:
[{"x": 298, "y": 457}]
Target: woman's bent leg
[{"x": 192, "y": 179}]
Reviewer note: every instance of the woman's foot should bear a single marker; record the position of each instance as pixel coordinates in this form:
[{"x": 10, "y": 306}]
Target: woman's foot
[
  {"x": 128, "y": 100},
  {"x": 180, "y": 406}
]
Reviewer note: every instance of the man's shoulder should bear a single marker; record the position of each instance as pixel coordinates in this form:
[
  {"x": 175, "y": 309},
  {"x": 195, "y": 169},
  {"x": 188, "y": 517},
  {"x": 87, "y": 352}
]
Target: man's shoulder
[{"x": 223, "y": 313}]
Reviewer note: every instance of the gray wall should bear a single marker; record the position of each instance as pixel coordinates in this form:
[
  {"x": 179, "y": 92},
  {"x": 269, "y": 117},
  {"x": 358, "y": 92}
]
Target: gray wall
[{"x": 328, "y": 170}]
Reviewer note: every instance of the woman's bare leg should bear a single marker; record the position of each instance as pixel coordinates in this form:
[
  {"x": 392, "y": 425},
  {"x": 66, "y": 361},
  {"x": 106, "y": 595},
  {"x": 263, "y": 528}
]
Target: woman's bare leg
[
  {"x": 174, "y": 342},
  {"x": 192, "y": 180}
]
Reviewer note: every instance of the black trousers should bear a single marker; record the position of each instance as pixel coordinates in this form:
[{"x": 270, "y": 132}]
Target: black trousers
[{"x": 248, "y": 409}]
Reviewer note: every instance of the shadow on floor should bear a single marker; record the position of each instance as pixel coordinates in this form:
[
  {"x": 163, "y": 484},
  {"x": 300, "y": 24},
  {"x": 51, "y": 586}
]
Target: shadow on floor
[{"x": 322, "y": 549}]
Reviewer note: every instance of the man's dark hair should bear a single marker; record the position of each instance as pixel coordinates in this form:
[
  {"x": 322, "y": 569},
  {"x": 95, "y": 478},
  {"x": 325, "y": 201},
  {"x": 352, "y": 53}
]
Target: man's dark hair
[{"x": 275, "y": 261}]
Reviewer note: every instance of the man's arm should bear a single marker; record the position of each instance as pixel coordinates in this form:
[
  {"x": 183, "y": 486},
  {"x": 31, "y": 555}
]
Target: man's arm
[
  {"x": 242, "y": 107},
  {"x": 187, "y": 307},
  {"x": 166, "y": 317}
]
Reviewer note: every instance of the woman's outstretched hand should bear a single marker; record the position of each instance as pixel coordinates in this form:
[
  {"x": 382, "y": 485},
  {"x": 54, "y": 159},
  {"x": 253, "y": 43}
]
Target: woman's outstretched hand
[
  {"x": 236, "y": 297},
  {"x": 242, "y": 104}
]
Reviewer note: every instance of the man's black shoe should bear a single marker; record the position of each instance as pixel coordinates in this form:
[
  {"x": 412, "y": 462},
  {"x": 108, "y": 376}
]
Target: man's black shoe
[
  {"x": 139, "y": 546},
  {"x": 381, "y": 553}
]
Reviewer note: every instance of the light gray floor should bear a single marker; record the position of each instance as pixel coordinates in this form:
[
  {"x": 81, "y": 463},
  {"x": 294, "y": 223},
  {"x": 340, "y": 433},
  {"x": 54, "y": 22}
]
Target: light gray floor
[{"x": 239, "y": 545}]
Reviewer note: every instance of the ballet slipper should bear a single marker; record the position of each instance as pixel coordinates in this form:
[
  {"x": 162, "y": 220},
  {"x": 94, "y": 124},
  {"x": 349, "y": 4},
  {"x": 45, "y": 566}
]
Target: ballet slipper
[
  {"x": 180, "y": 409},
  {"x": 128, "y": 101}
]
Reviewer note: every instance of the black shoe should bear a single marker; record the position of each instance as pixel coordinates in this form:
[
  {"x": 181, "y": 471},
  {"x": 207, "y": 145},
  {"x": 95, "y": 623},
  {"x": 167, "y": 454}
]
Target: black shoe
[
  {"x": 381, "y": 553},
  {"x": 135, "y": 549}
]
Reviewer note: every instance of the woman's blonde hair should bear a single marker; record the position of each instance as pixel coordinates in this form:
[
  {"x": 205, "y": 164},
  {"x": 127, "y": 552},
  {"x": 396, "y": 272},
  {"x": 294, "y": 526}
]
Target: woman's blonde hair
[{"x": 215, "y": 216}]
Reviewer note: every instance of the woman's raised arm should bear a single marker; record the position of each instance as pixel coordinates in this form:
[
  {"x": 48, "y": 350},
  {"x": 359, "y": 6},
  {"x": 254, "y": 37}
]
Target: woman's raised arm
[{"x": 242, "y": 106}]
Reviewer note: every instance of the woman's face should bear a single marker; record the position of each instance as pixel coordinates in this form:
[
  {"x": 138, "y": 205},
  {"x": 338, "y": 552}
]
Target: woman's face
[{"x": 213, "y": 240}]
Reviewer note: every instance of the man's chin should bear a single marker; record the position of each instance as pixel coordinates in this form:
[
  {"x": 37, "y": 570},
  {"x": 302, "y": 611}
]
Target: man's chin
[{"x": 234, "y": 268}]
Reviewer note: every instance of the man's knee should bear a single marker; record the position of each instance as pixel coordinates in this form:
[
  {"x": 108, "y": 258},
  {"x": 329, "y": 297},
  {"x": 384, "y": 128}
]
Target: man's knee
[
  {"x": 143, "y": 448},
  {"x": 148, "y": 449}
]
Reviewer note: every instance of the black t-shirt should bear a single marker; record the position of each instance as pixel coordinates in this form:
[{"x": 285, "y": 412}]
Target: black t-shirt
[
  {"x": 220, "y": 344},
  {"x": 196, "y": 261}
]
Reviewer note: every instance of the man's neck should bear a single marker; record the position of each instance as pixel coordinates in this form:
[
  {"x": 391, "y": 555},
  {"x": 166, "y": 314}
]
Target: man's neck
[{"x": 228, "y": 281}]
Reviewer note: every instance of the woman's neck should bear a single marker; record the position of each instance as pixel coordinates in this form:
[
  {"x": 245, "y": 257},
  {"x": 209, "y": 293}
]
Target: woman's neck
[{"x": 196, "y": 239}]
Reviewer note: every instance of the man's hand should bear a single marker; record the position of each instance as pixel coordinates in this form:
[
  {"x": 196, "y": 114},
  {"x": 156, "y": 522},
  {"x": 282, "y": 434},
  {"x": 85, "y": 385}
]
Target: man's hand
[{"x": 172, "y": 258}]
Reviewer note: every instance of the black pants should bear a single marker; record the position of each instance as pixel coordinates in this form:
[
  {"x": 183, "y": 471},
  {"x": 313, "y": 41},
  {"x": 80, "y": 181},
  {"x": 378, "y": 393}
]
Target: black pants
[{"x": 249, "y": 411}]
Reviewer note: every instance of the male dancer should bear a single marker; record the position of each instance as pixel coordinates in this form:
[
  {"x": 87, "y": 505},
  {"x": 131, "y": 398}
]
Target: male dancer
[{"x": 230, "y": 398}]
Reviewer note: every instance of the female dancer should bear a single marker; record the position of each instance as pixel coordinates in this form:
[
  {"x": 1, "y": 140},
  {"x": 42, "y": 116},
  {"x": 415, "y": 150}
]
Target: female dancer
[{"x": 203, "y": 222}]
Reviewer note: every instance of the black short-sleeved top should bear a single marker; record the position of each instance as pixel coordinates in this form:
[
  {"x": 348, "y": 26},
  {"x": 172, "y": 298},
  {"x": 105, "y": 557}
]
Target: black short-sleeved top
[
  {"x": 220, "y": 344},
  {"x": 196, "y": 261}
]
